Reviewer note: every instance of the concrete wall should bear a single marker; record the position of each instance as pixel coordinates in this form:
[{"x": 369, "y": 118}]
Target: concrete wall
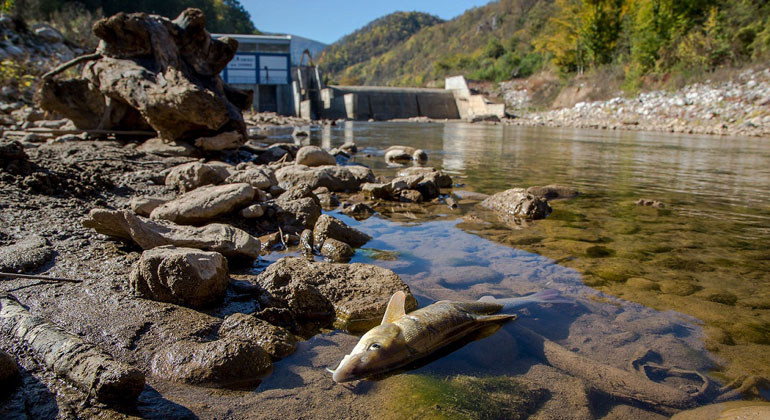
[{"x": 382, "y": 103}]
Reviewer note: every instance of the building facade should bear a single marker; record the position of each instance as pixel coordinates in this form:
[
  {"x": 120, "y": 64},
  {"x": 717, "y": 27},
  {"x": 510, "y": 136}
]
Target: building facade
[{"x": 262, "y": 64}]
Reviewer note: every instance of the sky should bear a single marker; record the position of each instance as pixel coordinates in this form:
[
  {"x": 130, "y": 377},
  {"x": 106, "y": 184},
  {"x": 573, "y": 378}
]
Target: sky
[{"x": 329, "y": 20}]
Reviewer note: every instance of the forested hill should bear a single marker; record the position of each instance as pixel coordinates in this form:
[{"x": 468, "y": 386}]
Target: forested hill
[
  {"x": 514, "y": 38},
  {"x": 371, "y": 41},
  {"x": 224, "y": 16}
]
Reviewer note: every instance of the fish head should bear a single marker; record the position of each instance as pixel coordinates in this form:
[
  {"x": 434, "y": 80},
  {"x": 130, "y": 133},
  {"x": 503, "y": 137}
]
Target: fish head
[{"x": 381, "y": 349}]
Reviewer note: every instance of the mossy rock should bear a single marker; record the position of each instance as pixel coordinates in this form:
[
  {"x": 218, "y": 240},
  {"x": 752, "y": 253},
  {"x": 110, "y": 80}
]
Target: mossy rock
[
  {"x": 640, "y": 283},
  {"x": 599, "y": 251},
  {"x": 460, "y": 397},
  {"x": 679, "y": 288},
  {"x": 723, "y": 297},
  {"x": 378, "y": 254},
  {"x": 752, "y": 332},
  {"x": 675, "y": 262}
]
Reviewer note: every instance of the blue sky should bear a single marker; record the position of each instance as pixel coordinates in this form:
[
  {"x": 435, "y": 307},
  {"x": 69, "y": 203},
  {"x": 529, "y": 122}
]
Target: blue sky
[{"x": 329, "y": 20}]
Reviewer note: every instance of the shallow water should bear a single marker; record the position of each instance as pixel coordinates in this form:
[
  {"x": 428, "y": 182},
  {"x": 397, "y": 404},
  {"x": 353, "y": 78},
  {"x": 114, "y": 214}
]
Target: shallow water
[{"x": 693, "y": 277}]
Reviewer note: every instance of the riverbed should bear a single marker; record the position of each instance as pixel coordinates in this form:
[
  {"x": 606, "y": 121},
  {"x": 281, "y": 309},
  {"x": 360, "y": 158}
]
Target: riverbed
[{"x": 685, "y": 284}]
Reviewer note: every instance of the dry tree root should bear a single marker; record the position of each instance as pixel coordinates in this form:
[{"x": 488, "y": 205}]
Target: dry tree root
[
  {"x": 68, "y": 356},
  {"x": 607, "y": 379}
]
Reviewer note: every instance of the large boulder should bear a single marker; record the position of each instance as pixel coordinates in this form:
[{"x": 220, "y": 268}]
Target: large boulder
[
  {"x": 189, "y": 176},
  {"x": 330, "y": 227},
  {"x": 314, "y": 156},
  {"x": 335, "y": 178},
  {"x": 148, "y": 234},
  {"x": 439, "y": 178},
  {"x": 517, "y": 203},
  {"x": 227, "y": 362},
  {"x": 185, "y": 276},
  {"x": 356, "y": 294},
  {"x": 205, "y": 203}
]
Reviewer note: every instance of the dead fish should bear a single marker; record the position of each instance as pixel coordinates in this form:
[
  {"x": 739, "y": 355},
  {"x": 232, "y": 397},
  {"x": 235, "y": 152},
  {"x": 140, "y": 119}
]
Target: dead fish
[{"x": 403, "y": 338}]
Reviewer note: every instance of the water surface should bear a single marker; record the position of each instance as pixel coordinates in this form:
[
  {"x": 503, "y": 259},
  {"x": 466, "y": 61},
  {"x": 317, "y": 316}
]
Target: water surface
[{"x": 693, "y": 278}]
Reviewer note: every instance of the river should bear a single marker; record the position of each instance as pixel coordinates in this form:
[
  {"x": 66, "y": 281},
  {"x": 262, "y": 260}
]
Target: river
[{"x": 689, "y": 281}]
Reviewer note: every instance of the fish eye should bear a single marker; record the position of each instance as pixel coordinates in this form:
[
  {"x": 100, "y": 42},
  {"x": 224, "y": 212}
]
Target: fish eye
[{"x": 375, "y": 346}]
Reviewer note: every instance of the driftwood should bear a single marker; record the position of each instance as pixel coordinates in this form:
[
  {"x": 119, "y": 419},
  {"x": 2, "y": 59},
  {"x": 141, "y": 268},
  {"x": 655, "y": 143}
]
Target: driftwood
[
  {"x": 68, "y": 356},
  {"x": 607, "y": 379},
  {"x": 60, "y": 132},
  {"x": 71, "y": 63},
  {"x": 149, "y": 70},
  {"x": 36, "y": 277}
]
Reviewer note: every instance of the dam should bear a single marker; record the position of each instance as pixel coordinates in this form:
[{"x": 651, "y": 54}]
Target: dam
[{"x": 456, "y": 101}]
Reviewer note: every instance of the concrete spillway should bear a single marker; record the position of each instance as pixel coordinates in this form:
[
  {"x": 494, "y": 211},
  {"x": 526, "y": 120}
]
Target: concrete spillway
[{"x": 455, "y": 101}]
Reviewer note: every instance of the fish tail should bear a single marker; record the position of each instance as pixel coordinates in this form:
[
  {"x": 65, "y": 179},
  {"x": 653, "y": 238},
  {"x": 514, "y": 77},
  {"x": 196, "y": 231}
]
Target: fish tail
[{"x": 546, "y": 296}]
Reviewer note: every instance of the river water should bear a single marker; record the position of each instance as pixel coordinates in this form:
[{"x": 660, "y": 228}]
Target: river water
[{"x": 689, "y": 282}]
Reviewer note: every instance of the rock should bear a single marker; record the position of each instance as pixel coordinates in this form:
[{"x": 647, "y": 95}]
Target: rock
[
  {"x": 375, "y": 190},
  {"x": 400, "y": 154},
  {"x": 349, "y": 148},
  {"x": 516, "y": 203},
  {"x": 189, "y": 176},
  {"x": 730, "y": 410},
  {"x": 335, "y": 178},
  {"x": 158, "y": 146},
  {"x": 357, "y": 210},
  {"x": 13, "y": 158},
  {"x": 262, "y": 177},
  {"x": 143, "y": 206},
  {"x": 227, "y": 362},
  {"x": 205, "y": 203},
  {"x": 148, "y": 234},
  {"x": 306, "y": 244},
  {"x": 553, "y": 192},
  {"x": 253, "y": 211},
  {"x": 273, "y": 153},
  {"x": 298, "y": 207},
  {"x": 9, "y": 371},
  {"x": 26, "y": 255},
  {"x": 410, "y": 196},
  {"x": 330, "y": 227},
  {"x": 176, "y": 89},
  {"x": 221, "y": 141},
  {"x": 47, "y": 33},
  {"x": 276, "y": 341},
  {"x": 439, "y": 178},
  {"x": 357, "y": 293},
  {"x": 466, "y": 276},
  {"x": 650, "y": 203},
  {"x": 184, "y": 276},
  {"x": 314, "y": 156},
  {"x": 336, "y": 251}
]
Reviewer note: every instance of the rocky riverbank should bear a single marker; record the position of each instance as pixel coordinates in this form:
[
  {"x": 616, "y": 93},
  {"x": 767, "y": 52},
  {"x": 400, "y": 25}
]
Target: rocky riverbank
[{"x": 739, "y": 107}]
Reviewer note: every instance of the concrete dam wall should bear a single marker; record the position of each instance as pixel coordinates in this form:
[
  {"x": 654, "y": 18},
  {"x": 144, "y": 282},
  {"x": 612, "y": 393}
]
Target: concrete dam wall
[{"x": 456, "y": 101}]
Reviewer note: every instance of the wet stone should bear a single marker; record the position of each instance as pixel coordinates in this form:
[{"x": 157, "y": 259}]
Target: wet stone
[
  {"x": 336, "y": 251},
  {"x": 183, "y": 276},
  {"x": 356, "y": 293},
  {"x": 516, "y": 203},
  {"x": 314, "y": 156},
  {"x": 553, "y": 192},
  {"x": 228, "y": 362},
  {"x": 25, "y": 255},
  {"x": 276, "y": 341},
  {"x": 330, "y": 227}
]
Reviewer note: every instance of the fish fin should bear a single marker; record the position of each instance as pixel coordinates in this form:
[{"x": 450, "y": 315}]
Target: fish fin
[
  {"x": 395, "y": 308},
  {"x": 497, "y": 318},
  {"x": 546, "y": 296}
]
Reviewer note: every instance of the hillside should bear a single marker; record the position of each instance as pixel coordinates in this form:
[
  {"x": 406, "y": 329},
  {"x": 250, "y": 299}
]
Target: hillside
[
  {"x": 374, "y": 39},
  {"x": 222, "y": 16},
  {"x": 642, "y": 39}
]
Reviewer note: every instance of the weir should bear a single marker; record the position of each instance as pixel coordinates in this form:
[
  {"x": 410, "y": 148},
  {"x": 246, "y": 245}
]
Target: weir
[{"x": 456, "y": 101}]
